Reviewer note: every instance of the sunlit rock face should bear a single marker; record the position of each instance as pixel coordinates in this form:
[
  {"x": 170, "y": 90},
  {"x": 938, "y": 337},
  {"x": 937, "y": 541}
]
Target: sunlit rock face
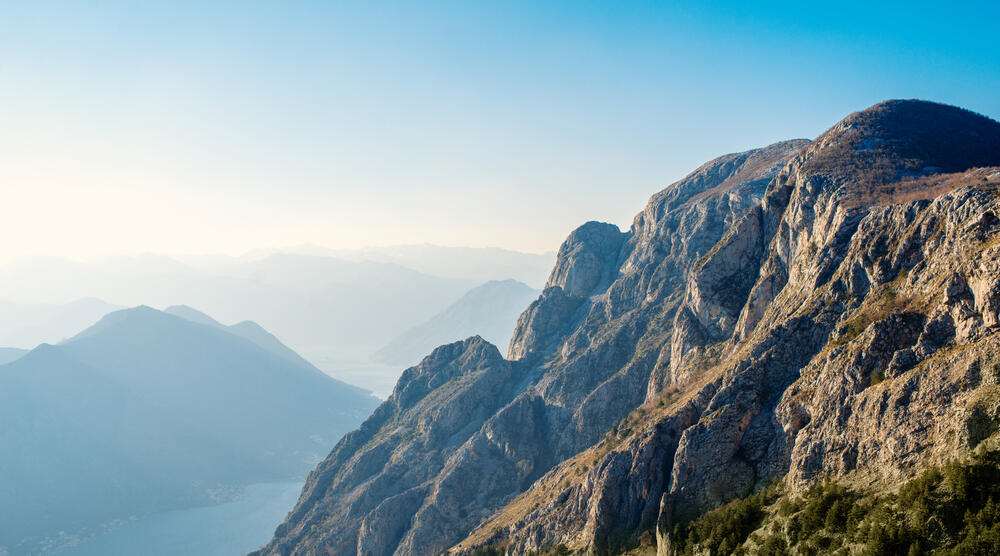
[{"x": 787, "y": 312}]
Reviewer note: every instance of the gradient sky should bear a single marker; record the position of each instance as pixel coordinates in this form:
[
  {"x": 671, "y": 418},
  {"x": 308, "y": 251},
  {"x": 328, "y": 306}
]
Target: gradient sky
[{"x": 205, "y": 127}]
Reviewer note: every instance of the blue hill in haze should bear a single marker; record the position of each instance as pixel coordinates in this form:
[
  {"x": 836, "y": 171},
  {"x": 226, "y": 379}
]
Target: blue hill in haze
[{"x": 146, "y": 411}]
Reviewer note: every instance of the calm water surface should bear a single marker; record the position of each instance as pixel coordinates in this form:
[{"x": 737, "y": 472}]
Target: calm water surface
[{"x": 230, "y": 529}]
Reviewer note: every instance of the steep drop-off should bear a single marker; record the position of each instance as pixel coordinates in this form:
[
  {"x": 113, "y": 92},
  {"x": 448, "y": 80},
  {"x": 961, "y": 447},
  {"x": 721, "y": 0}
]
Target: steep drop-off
[{"x": 804, "y": 310}]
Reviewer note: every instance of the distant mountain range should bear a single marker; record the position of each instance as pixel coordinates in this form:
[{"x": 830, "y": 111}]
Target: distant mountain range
[
  {"x": 478, "y": 264},
  {"x": 147, "y": 410},
  {"x": 337, "y": 305},
  {"x": 489, "y": 310}
]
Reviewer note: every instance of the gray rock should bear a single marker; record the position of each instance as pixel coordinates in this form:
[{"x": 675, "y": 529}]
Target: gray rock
[{"x": 788, "y": 312}]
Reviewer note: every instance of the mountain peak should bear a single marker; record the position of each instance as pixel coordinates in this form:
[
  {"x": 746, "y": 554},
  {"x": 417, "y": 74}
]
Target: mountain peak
[
  {"x": 585, "y": 258},
  {"x": 878, "y": 154},
  {"x": 140, "y": 313},
  {"x": 443, "y": 364}
]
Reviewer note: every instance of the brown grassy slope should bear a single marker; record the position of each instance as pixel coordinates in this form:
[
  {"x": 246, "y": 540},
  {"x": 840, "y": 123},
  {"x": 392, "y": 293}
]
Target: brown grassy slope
[{"x": 883, "y": 154}]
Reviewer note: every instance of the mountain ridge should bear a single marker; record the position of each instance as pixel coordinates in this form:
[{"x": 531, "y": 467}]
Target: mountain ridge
[
  {"x": 671, "y": 368},
  {"x": 247, "y": 329}
]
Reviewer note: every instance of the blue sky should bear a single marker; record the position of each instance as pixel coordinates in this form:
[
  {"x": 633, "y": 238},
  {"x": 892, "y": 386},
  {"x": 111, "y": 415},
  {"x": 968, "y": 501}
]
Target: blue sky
[{"x": 203, "y": 127}]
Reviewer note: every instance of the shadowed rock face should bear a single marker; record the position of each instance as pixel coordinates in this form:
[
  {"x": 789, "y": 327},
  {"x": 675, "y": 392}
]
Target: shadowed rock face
[{"x": 702, "y": 353}]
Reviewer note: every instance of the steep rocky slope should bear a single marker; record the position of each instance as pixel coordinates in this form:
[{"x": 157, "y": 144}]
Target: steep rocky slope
[
  {"x": 789, "y": 312},
  {"x": 544, "y": 404}
]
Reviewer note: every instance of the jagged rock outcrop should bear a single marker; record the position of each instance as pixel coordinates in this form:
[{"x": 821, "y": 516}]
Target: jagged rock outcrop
[
  {"x": 789, "y": 312},
  {"x": 587, "y": 259},
  {"x": 583, "y": 355},
  {"x": 363, "y": 497},
  {"x": 818, "y": 278}
]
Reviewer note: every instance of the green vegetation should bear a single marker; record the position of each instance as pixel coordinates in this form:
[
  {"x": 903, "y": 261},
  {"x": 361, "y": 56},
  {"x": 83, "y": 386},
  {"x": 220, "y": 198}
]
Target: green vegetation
[
  {"x": 723, "y": 530},
  {"x": 557, "y": 550},
  {"x": 949, "y": 510}
]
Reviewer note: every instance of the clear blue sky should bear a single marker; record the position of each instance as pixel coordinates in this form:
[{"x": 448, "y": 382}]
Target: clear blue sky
[{"x": 226, "y": 126}]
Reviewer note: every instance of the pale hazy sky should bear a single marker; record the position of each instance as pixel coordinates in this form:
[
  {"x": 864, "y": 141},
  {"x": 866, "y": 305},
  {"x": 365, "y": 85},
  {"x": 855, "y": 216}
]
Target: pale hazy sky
[{"x": 204, "y": 127}]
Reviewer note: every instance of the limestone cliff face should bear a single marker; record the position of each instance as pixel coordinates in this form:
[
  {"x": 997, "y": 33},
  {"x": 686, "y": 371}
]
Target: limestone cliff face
[
  {"x": 830, "y": 330},
  {"x": 808, "y": 308},
  {"x": 466, "y": 431},
  {"x": 363, "y": 497}
]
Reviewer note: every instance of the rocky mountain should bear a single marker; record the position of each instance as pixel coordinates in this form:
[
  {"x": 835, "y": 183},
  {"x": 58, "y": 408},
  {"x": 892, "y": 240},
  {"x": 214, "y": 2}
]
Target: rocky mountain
[
  {"x": 808, "y": 310},
  {"x": 145, "y": 411},
  {"x": 490, "y": 311}
]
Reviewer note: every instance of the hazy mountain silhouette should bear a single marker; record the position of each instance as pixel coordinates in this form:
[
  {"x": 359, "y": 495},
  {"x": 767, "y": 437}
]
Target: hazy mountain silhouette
[
  {"x": 145, "y": 411},
  {"x": 490, "y": 311},
  {"x": 467, "y": 263},
  {"x": 320, "y": 306},
  {"x": 246, "y": 329}
]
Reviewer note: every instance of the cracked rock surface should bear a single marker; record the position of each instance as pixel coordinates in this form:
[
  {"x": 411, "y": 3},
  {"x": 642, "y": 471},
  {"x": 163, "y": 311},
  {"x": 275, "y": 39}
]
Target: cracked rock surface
[{"x": 796, "y": 311}]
